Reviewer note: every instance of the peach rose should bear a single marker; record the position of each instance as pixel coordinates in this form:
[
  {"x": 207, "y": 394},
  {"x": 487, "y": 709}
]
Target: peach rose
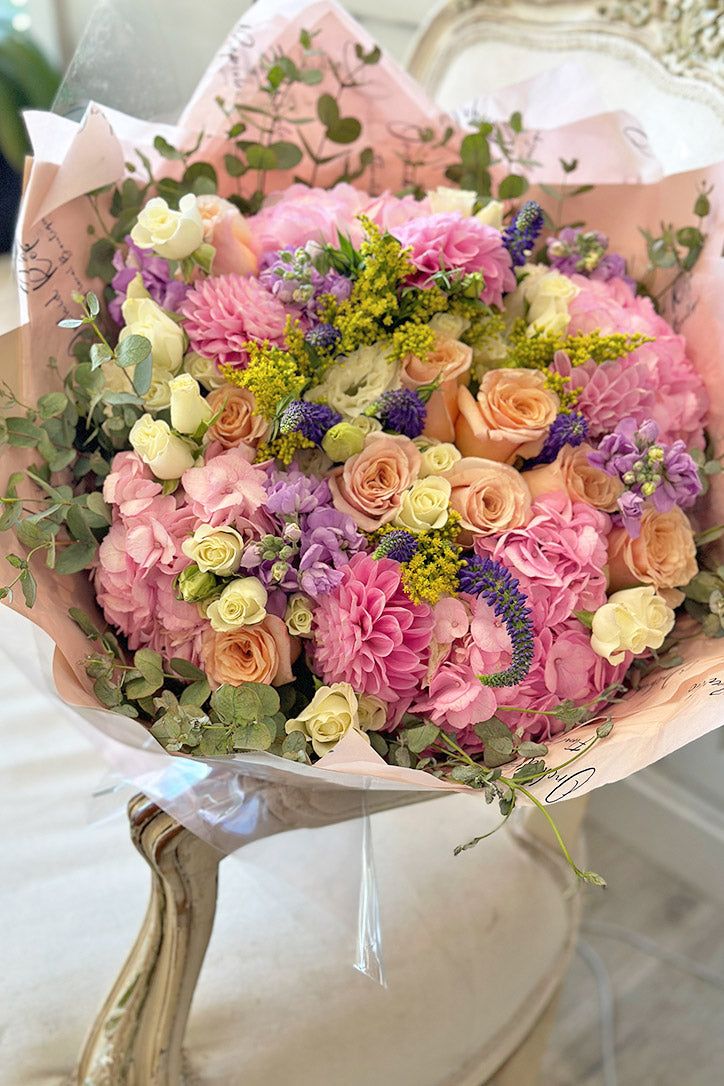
[
  {"x": 664, "y": 554},
  {"x": 263, "y": 653},
  {"x": 511, "y": 417},
  {"x": 227, "y": 230},
  {"x": 449, "y": 360},
  {"x": 237, "y": 424},
  {"x": 369, "y": 487},
  {"x": 572, "y": 472},
  {"x": 490, "y": 497}
]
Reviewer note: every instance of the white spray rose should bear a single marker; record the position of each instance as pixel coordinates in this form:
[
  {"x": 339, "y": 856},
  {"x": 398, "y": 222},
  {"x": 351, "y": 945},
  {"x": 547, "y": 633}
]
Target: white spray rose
[
  {"x": 439, "y": 458},
  {"x": 189, "y": 409},
  {"x": 372, "y": 713},
  {"x": 633, "y": 620},
  {"x": 424, "y": 505},
  {"x": 298, "y": 616},
  {"x": 144, "y": 318},
  {"x": 331, "y": 713},
  {"x": 204, "y": 370},
  {"x": 167, "y": 455},
  {"x": 242, "y": 603},
  {"x": 172, "y": 234},
  {"x": 215, "y": 550},
  {"x": 546, "y": 293},
  {"x": 492, "y": 214}
]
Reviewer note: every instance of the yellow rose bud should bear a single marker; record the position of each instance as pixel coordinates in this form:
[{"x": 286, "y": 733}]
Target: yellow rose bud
[
  {"x": 242, "y": 603},
  {"x": 424, "y": 505},
  {"x": 143, "y": 317},
  {"x": 342, "y": 441},
  {"x": 331, "y": 713},
  {"x": 189, "y": 409},
  {"x": 167, "y": 455},
  {"x": 633, "y": 620},
  {"x": 298, "y": 616},
  {"x": 215, "y": 550},
  {"x": 437, "y": 459},
  {"x": 172, "y": 234}
]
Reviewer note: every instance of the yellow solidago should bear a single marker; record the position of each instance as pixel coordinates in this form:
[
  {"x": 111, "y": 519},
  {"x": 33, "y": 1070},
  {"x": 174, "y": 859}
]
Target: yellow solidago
[
  {"x": 432, "y": 572},
  {"x": 271, "y": 375},
  {"x": 559, "y": 384},
  {"x": 412, "y": 339},
  {"x": 283, "y": 448},
  {"x": 538, "y": 351}
]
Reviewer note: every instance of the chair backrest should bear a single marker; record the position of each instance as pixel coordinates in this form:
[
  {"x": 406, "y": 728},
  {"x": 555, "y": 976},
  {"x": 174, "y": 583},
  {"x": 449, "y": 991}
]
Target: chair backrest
[{"x": 661, "y": 60}]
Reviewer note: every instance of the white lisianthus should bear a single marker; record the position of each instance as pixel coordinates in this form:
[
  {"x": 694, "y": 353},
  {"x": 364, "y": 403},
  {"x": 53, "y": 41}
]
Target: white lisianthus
[
  {"x": 545, "y": 294},
  {"x": 143, "y": 317},
  {"x": 172, "y": 234},
  {"x": 204, "y": 370},
  {"x": 167, "y": 455},
  {"x": 242, "y": 603},
  {"x": 633, "y": 620},
  {"x": 332, "y": 712},
  {"x": 215, "y": 550},
  {"x": 439, "y": 458},
  {"x": 424, "y": 505},
  {"x": 298, "y": 615},
  {"x": 449, "y": 325},
  {"x": 356, "y": 381},
  {"x": 372, "y": 713},
  {"x": 366, "y": 424},
  {"x": 189, "y": 409}
]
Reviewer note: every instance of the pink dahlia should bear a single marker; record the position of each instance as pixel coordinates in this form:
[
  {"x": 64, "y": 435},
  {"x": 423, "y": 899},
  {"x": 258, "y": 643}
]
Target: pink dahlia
[
  {"x": 368, "y": 633},
  {"x": 610, "y": 392},
  {"x": 680, "y": 401},
  {"x": 454, "y": 242},
  {"x": 223, "y": 312},
  {"x": 558, "y": 558}
]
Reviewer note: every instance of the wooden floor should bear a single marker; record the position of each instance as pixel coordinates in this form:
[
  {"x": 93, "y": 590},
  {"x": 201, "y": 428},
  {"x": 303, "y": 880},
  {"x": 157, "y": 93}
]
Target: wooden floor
[{"x": 669, "y": 1026}]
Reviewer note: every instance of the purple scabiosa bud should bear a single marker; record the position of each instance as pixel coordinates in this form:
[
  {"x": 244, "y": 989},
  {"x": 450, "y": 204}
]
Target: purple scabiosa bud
[
  {"x": 401, "y": 411},
  {"x": 312, "y": 420},
  {"x": 398, "y": 545},
  {"x": 323, "y": 337},
  {"x": 491, "y": 580},
  {"x": 567, "y": 429}
]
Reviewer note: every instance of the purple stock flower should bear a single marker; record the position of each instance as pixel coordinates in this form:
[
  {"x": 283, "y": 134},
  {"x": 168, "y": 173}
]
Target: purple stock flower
[
  {"x": 583, "y": 252},
  {"x": 293, "y": 278},
  {"x": 329, "y": 539},
  {"x": 155, "y": 275}
]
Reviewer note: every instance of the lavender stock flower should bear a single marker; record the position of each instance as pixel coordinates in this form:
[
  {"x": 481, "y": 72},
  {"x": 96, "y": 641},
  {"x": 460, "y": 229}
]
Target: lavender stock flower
[
  {"x": 583, "y": 252},
  {"x": 491, "y": 580},
  {"x": 155, "y": 276}
]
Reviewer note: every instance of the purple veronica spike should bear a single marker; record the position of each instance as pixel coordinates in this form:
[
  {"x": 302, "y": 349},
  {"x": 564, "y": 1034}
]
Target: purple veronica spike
[
  {"x": 571, "y": 429},
  {"x": 402, "y": 412},
  {"x": 398, "y": 545},
  {"x": 521, "y": 234},
  {"x": 491, "y": 580},
  {"x": 312, "y": 420}
]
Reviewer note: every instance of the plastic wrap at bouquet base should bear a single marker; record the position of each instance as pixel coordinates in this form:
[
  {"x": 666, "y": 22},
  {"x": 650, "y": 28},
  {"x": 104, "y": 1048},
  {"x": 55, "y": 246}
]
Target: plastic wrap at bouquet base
[{"x": 441, "y": 437}]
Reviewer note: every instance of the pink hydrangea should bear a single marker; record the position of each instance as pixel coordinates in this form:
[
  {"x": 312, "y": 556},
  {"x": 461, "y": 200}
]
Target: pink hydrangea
[
  {"x": 227, "y": 489},
  {"x": 131, "y": 484},
  {"x": 564, "y": 667},
  {"x": 680, "y": 401},
  {"x": 369, "y": 634},
  {"x": 224, "y": 311},
  {"x": 558, "y": 558},
  {"x": 155, "y": 534},
  {"x": 453, "y": 242},
  {"x": 610, "y": 392}
]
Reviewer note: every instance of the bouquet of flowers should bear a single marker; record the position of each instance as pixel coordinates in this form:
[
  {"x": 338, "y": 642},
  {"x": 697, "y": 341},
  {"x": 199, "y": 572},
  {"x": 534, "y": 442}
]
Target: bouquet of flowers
[{"x": 398, "y": 477}]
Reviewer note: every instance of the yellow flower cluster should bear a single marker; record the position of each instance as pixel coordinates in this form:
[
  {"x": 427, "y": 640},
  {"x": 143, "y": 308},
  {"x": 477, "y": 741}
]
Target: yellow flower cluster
[
  {"x": 484, "y": 324},
  {"x": 537, "y": 352},
  {"x": 271, "y": 375},
  {"x": 432, "y": 572},
  {"x": 412, "y": 339},
  {"x": 372, "y": 307},
  {"x": 283, "y": 448},
  {"x": 559, "y": 384}
]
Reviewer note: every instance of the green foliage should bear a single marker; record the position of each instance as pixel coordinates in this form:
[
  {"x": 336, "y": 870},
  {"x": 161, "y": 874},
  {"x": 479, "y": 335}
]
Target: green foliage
[{"x": 488, "y": 146}]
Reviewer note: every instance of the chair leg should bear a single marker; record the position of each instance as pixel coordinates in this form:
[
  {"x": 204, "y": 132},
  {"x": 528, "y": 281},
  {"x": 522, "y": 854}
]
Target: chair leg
[{"x": 136, "y": 1039}]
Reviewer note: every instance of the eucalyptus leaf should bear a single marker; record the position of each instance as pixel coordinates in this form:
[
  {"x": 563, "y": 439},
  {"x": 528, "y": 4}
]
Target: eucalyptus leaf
[{"x": 74, "y": 558}]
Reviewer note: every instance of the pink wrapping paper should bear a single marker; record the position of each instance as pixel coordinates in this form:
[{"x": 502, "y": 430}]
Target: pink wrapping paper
[{"x": 672, "y": 709}]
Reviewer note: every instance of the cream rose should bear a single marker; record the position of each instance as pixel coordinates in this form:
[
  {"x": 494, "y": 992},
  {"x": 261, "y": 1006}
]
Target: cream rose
[
  {"x": 372, "y": 713},
  {"x": 189, "y": 409},
  {"x": 446, "y": 199},
  {"x": 298, "y": 615},
  {"x": 242, "y": 603},
  {"x": 424, "y": 505},
  {"x": 492, "y": 214},
  {"x": 158, "y": 397},
  {"x": 547, "y": 294},
  {"x": 172, "y": 234},
  {"x": 369, "y": 487},
  {"x": 144, "y": 318},
  {"x": 571, "y": 471},
  {"x": 262, "y": 653},
  {"x": 664, "y": 554},
  {"x": 351, "y": 384},
  {"x": 167, "y": 455},
  {"x": 489, "y": 497},
  {"x": 331, "y": 713},
  {"x": 438, "y": 458},
  {"x": 237, "y": 424},
  {"x": 215, "y": 550},
  {"x": 633, "y": 620},
  {"x": 204, "y": 370},
  {"x": 366, "y": 424},
  {"x": 511, "y": 416}
]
